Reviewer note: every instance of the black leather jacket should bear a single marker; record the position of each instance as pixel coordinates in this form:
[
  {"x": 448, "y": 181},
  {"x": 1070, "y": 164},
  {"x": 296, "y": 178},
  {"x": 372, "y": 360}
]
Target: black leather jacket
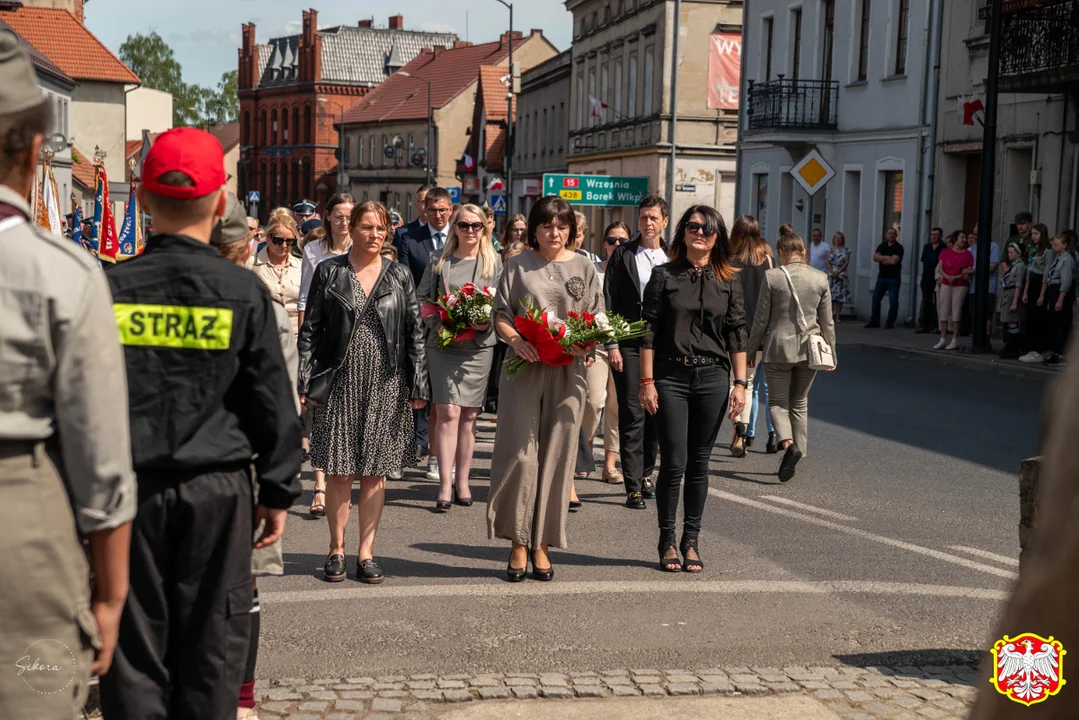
[{"x": 330, "y": 318}]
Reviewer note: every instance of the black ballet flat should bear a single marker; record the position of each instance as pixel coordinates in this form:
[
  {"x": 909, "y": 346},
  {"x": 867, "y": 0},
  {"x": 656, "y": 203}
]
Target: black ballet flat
[{"x": 575, "y": 505}]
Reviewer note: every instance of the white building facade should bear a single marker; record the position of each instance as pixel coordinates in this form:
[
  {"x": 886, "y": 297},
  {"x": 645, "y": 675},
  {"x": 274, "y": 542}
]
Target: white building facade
[{"x": 852, "y": 80}]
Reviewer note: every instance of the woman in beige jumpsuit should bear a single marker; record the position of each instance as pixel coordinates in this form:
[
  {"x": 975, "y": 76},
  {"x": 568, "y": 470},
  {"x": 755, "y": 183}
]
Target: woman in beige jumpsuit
[{"x": 541, "y": 411}]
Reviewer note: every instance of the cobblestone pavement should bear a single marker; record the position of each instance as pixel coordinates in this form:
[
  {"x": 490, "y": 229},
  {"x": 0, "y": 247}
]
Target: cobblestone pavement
[{"x": 853, "y": 693}]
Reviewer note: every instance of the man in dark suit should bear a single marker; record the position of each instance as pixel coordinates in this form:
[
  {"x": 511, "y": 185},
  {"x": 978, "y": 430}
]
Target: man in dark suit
[
  {"x": 421, "y": 217},
  {"x": 414, "y": 251}
]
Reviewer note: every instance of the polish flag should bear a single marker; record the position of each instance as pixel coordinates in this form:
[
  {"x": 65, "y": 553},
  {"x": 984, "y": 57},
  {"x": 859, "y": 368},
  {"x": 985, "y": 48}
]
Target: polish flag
[
  {"x": 496, "y": 185},
  {"x": 469, "y": 162},
  {"x": 968, "y": 108},
  {"x": 598, "y": 106}
]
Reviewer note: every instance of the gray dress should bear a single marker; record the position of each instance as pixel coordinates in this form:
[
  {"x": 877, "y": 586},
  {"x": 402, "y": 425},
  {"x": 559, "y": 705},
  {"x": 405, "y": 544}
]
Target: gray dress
[
  {"x": 1010, "y": 283},
  {"x": 459, "y": 372}
]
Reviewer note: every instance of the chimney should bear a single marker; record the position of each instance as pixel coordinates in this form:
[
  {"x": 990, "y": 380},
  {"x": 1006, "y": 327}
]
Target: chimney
[
  {"x": 397, "y": 22},
  {"x": 77, "y": 11},
  {"x": 366, "y": 24},
  {"x": 438, "y": 50},
  {"x": 461, "y": 44}
]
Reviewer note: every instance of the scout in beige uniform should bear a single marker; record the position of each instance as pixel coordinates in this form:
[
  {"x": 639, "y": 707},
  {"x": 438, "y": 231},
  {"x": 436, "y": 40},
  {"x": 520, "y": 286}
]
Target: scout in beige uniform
[{"x": 65, "y": 458}]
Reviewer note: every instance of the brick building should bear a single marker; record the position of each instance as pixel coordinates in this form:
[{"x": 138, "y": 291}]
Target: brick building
[{"x": 293, "y": 89}]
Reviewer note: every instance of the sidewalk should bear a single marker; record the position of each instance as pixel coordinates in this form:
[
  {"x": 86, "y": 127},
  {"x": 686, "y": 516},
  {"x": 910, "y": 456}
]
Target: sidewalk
[
  {"x": 852, "y": 332},
  {"x": 749, "y": 693}
]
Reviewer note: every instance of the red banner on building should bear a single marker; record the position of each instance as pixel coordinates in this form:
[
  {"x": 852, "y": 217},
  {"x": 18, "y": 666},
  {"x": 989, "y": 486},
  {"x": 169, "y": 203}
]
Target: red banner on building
[{"x": 724, "y": 70}]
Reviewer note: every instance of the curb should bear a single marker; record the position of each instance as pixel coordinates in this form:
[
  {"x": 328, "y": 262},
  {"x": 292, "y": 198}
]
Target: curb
[{"x": 1005, "y": 367}]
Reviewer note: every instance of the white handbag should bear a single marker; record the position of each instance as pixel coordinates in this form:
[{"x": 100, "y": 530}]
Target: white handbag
[{"x": 818, "y": 351}]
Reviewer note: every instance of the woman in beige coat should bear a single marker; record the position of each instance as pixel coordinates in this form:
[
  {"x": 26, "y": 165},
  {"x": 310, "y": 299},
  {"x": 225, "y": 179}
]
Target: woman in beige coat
[{"x": 780, "y": 334}]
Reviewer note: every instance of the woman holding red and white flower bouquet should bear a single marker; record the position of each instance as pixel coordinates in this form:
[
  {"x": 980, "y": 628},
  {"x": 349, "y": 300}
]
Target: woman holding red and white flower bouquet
[
  {"x": 540, "y": 413},
  {"x": 458, "y": 287}
]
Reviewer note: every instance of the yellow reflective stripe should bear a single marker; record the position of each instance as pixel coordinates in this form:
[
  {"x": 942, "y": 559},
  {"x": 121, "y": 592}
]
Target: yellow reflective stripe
[{"x": 174, "y": 326}]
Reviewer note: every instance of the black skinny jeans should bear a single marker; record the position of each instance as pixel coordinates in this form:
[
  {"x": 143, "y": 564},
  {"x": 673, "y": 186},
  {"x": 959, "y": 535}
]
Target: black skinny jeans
[
  {"x": 1061, "y": 322},
  {"x": 636, "y": 428},
  {"x": 692, "y": 404}
]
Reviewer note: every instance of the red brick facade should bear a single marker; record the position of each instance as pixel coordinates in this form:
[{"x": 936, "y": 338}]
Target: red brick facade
[{"x": 287, "y": 136}]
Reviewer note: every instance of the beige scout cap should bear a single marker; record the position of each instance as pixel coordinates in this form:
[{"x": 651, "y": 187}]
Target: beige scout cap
[
  {"x": 18, "y": 82},
  {"x": 233, "y": 226}
]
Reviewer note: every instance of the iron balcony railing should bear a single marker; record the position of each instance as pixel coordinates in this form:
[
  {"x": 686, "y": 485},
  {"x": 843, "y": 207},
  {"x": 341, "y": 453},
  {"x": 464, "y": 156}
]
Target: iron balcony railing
[
  {"x": 783, "y": 104},
  {"x": 1038, "y": 36}
]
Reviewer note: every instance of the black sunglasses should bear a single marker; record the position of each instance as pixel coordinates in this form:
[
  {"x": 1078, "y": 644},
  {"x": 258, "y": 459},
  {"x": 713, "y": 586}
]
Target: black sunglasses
[
  {"x": 476, "y": 226},
  {"x": 615, "y": 240},
  {"x": 277, "y": 240},
  {"x": 696, "y": 226}
]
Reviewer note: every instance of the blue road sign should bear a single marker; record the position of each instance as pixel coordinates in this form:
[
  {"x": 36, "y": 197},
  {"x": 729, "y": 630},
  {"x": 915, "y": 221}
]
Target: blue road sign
[
  {"x": 455, "y": 194},
  {"x": 498, "y": 204},
  {"x": 253, "y": 196}
]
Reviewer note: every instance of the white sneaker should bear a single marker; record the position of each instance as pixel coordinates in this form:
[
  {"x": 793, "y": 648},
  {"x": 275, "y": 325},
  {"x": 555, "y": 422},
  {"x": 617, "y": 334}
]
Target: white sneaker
[
  {"x": 940, "y": 344},
  {"x": 953, "y": 345},
  {"x": 432, "y": 470},
  {"x": 1032, "y": 357}
]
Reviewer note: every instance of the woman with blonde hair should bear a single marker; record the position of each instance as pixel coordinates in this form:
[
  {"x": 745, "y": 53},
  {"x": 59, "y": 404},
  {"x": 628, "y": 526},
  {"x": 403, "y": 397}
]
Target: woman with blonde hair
[
  {"x": 459, "y": 372},
  {"x": 278, "y": 267},
  {"x": 838, "y": 259},
  {"x": 752, "y": 257},
  {"x": 795, "y": 304}
]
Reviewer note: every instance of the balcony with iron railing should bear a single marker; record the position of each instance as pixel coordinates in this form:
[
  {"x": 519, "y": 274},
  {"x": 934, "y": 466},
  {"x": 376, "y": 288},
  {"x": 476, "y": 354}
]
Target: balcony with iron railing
[
  {"x": 1039, "y": 45},
  {"x": 784, "y": 104}
]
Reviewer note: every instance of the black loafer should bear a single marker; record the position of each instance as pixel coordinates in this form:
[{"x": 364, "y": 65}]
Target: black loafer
[
  {"x": 334, "y": 569},
  {"x": 368, "y": 571},
  {"x": 635, "y": 501},
  {"x": 648, "y": 490},
  {"x": 789, "y": 461},
  {"x": 575, "y": 505},
  {"x": 772, "y": 447}
]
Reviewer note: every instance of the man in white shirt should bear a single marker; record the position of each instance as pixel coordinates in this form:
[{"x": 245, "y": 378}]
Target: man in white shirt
[{"x": 818, "y": 252}]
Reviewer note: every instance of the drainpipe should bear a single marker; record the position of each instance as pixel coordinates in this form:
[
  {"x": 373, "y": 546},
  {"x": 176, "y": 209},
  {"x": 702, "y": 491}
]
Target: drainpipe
[
  {"x": 674, "y": 112},
  {"x": 740, "y": 175},
  {"x": 927, "y": 116}
]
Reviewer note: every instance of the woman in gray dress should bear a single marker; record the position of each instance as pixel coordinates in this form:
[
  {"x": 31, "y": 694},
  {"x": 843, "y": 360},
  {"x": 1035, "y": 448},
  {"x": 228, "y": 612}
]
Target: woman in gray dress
[
  {"x": 459, "y": 372},
  {"x": 541, "y": 411}
]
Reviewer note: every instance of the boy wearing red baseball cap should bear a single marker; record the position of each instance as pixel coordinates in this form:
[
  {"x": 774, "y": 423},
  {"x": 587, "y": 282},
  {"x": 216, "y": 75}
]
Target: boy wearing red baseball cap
[{"x": 209, "y": 398}]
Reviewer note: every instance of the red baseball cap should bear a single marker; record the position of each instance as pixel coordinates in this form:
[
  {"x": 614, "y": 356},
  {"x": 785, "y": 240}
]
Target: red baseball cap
[{"x": 196, "y": 153}]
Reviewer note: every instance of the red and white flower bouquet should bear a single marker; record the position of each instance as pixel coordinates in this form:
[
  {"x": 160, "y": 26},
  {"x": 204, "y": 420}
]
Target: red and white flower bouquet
[{"x": 460, "y": 312}]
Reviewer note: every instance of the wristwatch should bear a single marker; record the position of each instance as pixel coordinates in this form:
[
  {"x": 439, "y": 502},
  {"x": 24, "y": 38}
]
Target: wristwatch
[{"x": 743, "y": 383}]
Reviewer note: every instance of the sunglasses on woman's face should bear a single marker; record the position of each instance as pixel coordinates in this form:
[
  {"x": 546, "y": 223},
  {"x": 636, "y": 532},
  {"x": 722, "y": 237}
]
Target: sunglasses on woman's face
[
  {"x": 278, "y": 240},
  {"x": 464, "y": 226},
  {"x": 696, "y": 227},
  {"x": 614, "y": 240}
]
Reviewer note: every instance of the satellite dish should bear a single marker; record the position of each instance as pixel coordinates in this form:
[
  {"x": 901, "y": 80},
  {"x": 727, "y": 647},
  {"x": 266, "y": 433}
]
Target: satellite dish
[
  {"x": 398, "y": 142},
  {"x": 57, "y": 142},
  {"x": 419, "y": 157},
  {"x": 388, "y": 152}
]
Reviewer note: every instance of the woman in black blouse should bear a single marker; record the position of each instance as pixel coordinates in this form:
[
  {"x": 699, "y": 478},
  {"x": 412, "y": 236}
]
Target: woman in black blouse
[{"x": 693, "y": 306}]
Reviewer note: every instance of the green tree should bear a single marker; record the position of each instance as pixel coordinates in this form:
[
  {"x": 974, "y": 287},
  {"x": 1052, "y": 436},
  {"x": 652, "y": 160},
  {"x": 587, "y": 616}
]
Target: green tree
[
  {"x": 151, "y": 58},
  {"x": 222, "y": 105}
]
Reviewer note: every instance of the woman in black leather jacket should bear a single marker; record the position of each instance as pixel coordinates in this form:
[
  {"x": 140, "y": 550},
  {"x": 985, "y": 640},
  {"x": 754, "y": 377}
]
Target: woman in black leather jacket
[{"x": 363, "y": 367}]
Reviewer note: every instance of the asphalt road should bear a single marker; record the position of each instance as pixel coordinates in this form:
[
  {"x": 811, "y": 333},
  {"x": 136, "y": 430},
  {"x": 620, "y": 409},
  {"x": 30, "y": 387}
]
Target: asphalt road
[{"x": 895, "y": 544}]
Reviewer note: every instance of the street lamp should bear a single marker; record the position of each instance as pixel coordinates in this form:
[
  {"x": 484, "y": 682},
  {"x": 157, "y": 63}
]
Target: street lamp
[
  {"x": 427, "y": 139},
  {"x": 342, "y": 178},
  {"x": 508, "y": 161}
]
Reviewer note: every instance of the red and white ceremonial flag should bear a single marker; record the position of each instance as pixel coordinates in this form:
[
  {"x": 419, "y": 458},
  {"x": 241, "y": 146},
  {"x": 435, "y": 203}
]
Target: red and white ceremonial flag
[{"x": 598, "y": 106}]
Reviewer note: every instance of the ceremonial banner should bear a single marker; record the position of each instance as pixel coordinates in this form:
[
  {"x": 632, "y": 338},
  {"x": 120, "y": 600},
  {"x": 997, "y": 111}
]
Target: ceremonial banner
[
  {"x": 51, "y": 197},
  {"x": 131, "y": 232},
  {"x": 37, "y": 201},
  {"x": 76, "y": 227},
  {"x": 724, "y": 70},
  {"x": 103, "y": 242}
]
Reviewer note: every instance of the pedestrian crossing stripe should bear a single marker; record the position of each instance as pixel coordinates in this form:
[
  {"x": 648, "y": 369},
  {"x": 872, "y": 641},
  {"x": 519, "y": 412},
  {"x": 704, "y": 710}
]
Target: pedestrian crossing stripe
[{"x": 174, "y": 326}]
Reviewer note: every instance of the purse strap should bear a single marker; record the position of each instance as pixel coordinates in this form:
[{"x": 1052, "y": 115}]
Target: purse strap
[{"x": 805, "y": 327}]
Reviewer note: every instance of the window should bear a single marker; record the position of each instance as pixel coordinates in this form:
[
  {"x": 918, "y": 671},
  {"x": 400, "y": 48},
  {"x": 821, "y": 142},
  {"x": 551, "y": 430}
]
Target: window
[
  {"x": 306, "y": 189},
  {"x": 607, "y": 14},
  {"x": 546, "y": 133},
  {"x": 631, "y": 86},
  {"x": 768, "y": 40},
  {"x": 863, "y": 41},
  {"x": 371, "y": 161},
  {"x": 561, "y": 127},
  {"x": 893, "y": 201},
  {"x": 581, "y": 99},
  {"x": 297, "y": 192},
  {"x": 535, "y": 132},
  {"x": 296, "y": 125},
  {"x": 384, "y": 158},
  {"x": 761, "y": 200},
  {"x": 273, "y": 127},
  {"x": 246, "y": 139},
  {"x": 796, "y": 29},
  {"x": 262, "y": 132},
  {"x": 649, "y": 80},
  {"x": 591, "y": 94},
  {"x": 618, "y": 111},
  {"x": 901, "y": 38},
  {"x": 604, "y": 87},
  {"x": 284, "y": 126},
  {"x": 828, "y": 46},
  {"x": 347, "y": 159},
  {"x": 408, "y": 207},
  {"x": 360, "y": 147}
]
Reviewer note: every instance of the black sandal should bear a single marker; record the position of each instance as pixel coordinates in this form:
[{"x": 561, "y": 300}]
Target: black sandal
[
  {"x": 668, "y": 564},
  {"x": 738, "y": 445},
  {"x": 318, "y": 509},
  {"x": 334, "y": 568},
  {"x": 688, "y": 565},
  {"x": 368, "y": 571}
]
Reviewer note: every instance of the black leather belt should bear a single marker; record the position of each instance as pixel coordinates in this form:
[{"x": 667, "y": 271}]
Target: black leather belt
[{"x": 694, "y": 360}]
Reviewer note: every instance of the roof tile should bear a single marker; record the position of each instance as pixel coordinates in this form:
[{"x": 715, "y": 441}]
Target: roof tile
[
  {"x": 228, "y": 135},
  {"x": 450, "y": 72},
  {"x": 67, "y": 43},
  {"x": 82, "y": 170}
]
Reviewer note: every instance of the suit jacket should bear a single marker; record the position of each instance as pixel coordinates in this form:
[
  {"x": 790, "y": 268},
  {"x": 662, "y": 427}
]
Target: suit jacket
[
  {"x": 404, "y": 231},
  {"x": 415, "y": 250},
  {"x": 776, "y": 323},
  {"x": 621, "y": 293}
]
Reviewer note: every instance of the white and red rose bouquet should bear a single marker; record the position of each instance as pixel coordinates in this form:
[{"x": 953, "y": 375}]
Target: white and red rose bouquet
[
  {"x": 553, "y": 337},
  {"x": 460, "y": 312}
]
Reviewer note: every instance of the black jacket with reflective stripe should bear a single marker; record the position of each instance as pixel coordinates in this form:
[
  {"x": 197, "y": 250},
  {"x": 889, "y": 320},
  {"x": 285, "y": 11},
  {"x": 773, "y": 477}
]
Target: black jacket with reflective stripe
[{"x": 206, "y": 376}]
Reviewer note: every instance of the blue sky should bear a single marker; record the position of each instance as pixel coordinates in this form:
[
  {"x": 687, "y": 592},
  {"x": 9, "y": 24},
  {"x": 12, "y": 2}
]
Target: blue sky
[{"x": 205, "y": 34}]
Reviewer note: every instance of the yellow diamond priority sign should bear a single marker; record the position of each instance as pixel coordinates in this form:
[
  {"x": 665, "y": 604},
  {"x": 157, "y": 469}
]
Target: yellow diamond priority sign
[{"x": 812, "y": 173}]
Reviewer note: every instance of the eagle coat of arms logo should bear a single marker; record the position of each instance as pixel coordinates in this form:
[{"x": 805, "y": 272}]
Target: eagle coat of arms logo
[{"x": 1028, "y": 668}]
